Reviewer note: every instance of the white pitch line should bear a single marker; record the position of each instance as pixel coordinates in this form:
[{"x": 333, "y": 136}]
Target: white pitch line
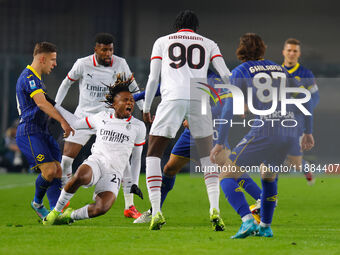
[{"x": 11, "y": 186}]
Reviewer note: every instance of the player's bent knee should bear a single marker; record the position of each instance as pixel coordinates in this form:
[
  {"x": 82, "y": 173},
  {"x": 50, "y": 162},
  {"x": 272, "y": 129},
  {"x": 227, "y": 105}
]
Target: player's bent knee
[
  {"x": 49, "y": 171},
  {"x": 104, "y": 202},
  {"x": 71, "y": 149},
  {"x": 170, "y": 170}
]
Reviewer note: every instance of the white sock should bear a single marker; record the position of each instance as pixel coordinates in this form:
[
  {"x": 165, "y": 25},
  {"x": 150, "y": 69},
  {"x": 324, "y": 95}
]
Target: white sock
[
  {"x": 264, "y": 225},
  {"x": 247, "y": 217},
  {"x": 63, "y": 200},
  {"x": 212, "y": 183},
  {"x": 154, "y": 182},
  {"x": 128, "y": 197},
  {"x": 66, "y": 166},
  {"x": 81, "y": 213}
]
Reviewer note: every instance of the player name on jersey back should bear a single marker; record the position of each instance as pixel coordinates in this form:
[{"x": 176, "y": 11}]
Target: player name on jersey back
[{"x": 185, "y": 57}]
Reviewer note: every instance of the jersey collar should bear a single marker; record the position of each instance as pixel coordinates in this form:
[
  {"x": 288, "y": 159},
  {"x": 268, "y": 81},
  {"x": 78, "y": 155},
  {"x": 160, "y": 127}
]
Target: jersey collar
[
  {"x": 95, "y": 63},
  {"x": 186, "y": 30},
  {"x": 127, "y": 120},
  {"x": 33, "y": 71},
  {"x": 293, "y": 69}
]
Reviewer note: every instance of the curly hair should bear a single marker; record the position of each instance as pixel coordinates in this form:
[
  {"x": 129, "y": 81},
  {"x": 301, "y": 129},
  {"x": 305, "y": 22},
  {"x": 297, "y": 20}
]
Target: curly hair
[
  {"x": 121, "y": 84},
  {"x": 104, "y": 38},
  {"x": 186, "y": 19},
  {"x": 251, "y": 47}
]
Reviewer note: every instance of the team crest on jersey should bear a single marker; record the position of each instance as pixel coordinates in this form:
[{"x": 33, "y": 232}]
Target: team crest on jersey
[
  {"x": 128, "y": 126},
  {"x": 32, "y": 84},
  {"x": 40, "y": 157}
]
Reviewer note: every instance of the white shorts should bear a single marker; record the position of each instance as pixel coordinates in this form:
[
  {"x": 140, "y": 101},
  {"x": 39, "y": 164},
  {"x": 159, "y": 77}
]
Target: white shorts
[
  {"x": 81, "y": 136},
  {"x": 171, "y": 114},
  {"x": 103, "y": 180}
]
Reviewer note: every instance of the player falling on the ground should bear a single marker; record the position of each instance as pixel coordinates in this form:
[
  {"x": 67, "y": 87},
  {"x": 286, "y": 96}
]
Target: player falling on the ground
[
  {"x": 33, "y": 137},
  {"x": 117, "y": 135},
  {"x": 184, "y": 150},
  {"x": 266, "y": 142},
  {"x": 291, "y": 53},
  {"x": 178, "y": 58},
  {"x": 94, "y": 72}
]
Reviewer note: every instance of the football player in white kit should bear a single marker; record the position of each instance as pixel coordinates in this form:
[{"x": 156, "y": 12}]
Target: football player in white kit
[
  {"x": 94, "y": 73},
  {"x": 178, "y": 58},
  {"x": 117, "y": 135}
]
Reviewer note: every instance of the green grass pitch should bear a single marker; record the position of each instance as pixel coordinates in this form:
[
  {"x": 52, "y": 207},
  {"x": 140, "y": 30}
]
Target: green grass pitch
[{"x": 306, "y": 221}]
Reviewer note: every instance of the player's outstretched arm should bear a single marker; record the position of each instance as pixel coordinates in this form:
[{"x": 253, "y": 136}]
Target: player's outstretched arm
[
  {"x": 48, "y": 108},
  {"x": 152, "y": 85},
  {"x": 63, "y": 89},
  {"x": 222, "y": 69},
  {"x": 136, "y": 157},
  {"x": 74, "y": 121}
]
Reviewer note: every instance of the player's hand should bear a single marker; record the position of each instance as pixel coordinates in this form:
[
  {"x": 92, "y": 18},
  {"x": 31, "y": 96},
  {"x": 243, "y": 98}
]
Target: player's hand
[
  {"x": 185, "y": 124},
  {"x": 67, "y": 129},
  {"x": 307, "y": 142},
  {"x": 215, "y": 151},
  {"x": 147, "y": 117}
]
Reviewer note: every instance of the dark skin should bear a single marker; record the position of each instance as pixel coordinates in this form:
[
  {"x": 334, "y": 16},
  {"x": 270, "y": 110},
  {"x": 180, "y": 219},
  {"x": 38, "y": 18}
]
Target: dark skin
[
  {"x": 123, "y": 104},
  {"x": 158, "y": 144},
  {"x": 103, "y": 53}
]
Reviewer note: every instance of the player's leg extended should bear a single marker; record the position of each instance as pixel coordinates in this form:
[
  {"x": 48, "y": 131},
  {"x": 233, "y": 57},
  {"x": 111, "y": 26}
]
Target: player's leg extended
[
  {"x": 53, "y": 192},
  {"x": 42, "y": 184},
  {"x": 268, "y": 201},
  {"x": 156, "y": 148},
  {"x": 130, "y": 210},
  {"x": 171, "y": 169},
  {"x": 204, "y": 146},
  {"x": 83, "y": 176},
  {"x": 236, "y": 198},
  {"x": 298, "y": 163},
  {"x": 71, "y": 151}
]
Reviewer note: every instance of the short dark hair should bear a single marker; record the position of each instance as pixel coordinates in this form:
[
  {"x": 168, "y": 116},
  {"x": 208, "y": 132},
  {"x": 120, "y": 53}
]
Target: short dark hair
[
  {"x": 292, "y": 41},
  {"x": 186, "y": 19},
  {"x": 251, "y": 47},
  {"x": 44, "y": 47},
  {"x": 104, "y": 38},
  {"x": 122, "y": 84}
]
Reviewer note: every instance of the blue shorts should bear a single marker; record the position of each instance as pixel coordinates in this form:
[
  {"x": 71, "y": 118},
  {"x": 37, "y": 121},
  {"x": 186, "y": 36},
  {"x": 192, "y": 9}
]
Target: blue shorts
[
  {"x": 295, "y": 150},
  {"x": 39, "y": 149},
  {"x": 252, "y": 151},
  {"x": 185, "y": 146}
]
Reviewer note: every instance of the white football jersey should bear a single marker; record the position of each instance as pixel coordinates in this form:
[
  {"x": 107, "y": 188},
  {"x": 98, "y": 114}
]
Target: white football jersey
[
  {"x": 185, "y": 55},
  {"x": 93, "y": 79},
  {"x": 115, "y": 139}
]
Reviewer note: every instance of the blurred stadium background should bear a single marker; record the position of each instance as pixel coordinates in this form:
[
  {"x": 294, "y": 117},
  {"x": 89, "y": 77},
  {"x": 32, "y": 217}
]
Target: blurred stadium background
[{"x": 72, "y": 25}]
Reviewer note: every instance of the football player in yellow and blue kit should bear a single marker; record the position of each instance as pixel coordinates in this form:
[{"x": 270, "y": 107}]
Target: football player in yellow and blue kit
[
  {"x": 33, "y": 138},
  {"x": 267, "y": 142},
  {"x": 291, "y": 53}
]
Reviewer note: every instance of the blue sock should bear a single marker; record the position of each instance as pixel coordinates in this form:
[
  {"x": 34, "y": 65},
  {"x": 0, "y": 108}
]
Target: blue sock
[
  {"x": 167, "y": 185},
  {"x": 268, "y": 201},
  {"x": 235, "y": 196},
  {"x": 53, "y": 192},
  {"x": 247, "y": 183},
  {"x": 41, "y": 186}
]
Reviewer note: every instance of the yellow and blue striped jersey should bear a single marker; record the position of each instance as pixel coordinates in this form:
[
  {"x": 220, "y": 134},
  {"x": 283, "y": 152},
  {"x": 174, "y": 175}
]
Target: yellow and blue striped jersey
[{"x": 32, "y": 119}]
